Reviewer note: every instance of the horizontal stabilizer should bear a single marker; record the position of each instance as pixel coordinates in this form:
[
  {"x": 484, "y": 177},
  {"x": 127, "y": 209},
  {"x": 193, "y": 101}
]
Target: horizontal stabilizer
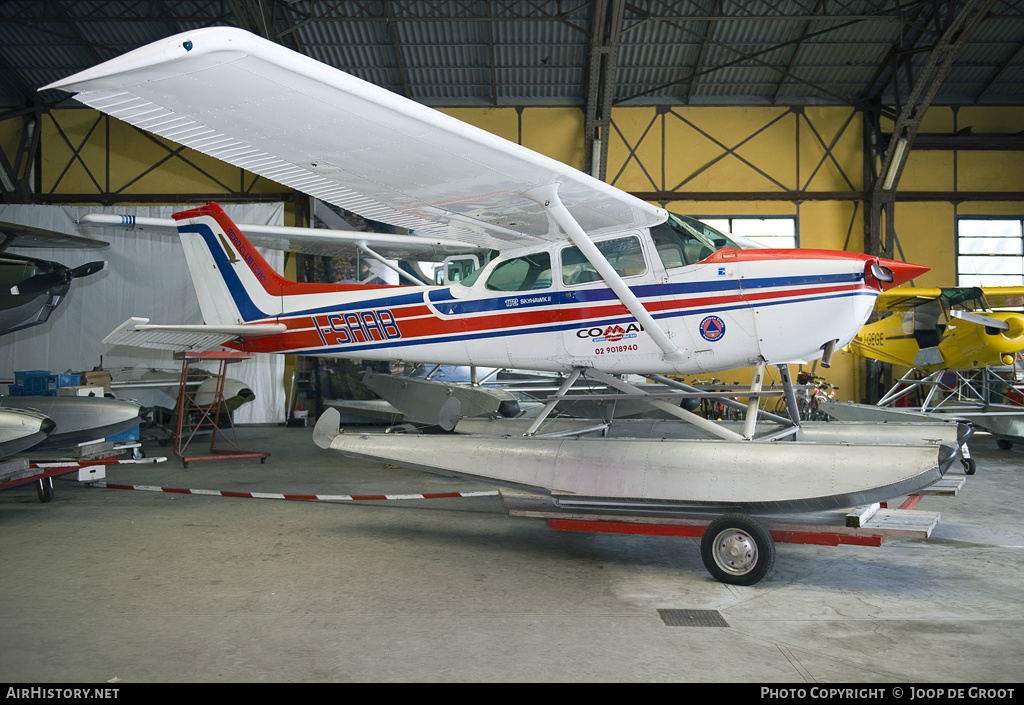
[
  {"x": 18, "y": 235},
  {"x": 309, "y": 241},
  {"x": 138, "y": 332}
]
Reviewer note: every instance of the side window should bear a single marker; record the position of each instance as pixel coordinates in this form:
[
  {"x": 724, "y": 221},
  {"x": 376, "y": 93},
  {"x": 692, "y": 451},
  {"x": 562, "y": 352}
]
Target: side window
[
  {"x": 678, "y": 248},
  {"x": 681, "y": 240},
  {"x": 522, "y": 274},
  {"x": 624, "y": 254}
]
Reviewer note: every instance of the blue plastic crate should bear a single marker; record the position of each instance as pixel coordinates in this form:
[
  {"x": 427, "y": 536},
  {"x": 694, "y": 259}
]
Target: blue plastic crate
[
  {"x": 31, "y": 381},
  {"x": 55, "y": 381},
  {"x": 132, "y": 434}
]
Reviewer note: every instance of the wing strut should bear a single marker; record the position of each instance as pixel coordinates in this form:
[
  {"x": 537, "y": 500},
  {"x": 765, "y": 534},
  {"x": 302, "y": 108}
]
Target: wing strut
[
  {"x": 547, "y": 197},
  {"x": 707, "y": 425},
  {"x": 364, "y": 248}
]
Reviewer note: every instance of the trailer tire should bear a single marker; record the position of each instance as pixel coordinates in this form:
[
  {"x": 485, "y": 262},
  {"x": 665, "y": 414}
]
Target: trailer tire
[
  {"x": 737, "y": 549},
  {"x": 970, "y": 466},
  {"x": 44, "y": 489}
]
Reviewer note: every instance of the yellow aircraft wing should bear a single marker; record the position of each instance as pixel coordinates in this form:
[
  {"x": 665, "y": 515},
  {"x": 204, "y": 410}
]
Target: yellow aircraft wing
[
  {"x": 1002, "y": 297},
  {"x": 902, "y": 298},
  {"x": 970, "y": 298}
]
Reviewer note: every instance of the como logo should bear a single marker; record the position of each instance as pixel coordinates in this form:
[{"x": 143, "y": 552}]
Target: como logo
[{"x": 612, "y": 334}]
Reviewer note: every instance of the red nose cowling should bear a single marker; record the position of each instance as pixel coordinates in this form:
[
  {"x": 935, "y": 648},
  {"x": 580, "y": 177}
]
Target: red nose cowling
[{"x": 902, "y": 272}]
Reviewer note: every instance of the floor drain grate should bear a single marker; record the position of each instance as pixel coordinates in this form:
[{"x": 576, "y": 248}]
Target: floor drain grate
[{"x": 692, "y": 618}]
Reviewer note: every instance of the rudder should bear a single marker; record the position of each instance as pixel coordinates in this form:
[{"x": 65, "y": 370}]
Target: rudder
[{"x": 233, "y": 282}]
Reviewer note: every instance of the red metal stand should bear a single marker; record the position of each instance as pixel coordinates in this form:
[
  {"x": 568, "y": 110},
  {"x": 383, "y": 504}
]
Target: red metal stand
[{"x": 208, "y": 415}]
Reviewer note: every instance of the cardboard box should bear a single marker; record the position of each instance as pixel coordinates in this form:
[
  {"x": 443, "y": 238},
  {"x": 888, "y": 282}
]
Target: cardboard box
[
  {"x": 92, "y": 472},
  {"x": 96, "y": 378},
  {"x": 80, "y": 391}
]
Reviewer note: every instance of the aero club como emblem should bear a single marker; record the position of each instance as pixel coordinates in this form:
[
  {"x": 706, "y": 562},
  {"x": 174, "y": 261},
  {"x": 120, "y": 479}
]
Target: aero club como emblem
[{"x": 712, "y": 328}]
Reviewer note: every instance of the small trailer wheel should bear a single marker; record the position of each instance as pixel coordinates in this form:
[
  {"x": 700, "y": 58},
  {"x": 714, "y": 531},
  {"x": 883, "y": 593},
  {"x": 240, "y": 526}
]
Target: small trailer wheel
[
  {"x": 44, "y": 489},
  {"x": 970, "y": 466},
  {"x": 737, "y": 550}
]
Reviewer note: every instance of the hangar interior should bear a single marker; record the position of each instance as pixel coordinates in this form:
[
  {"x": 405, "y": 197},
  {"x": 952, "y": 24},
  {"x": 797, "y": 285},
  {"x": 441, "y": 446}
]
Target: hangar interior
[{"x": 868, "y": 126}]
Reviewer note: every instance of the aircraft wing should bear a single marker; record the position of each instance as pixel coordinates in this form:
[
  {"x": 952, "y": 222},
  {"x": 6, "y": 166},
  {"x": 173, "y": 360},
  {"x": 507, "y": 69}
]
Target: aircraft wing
[
  {"x": 262, "y": 107},
  {"x": 904, "y": 298},
  {"x": 971, "y": 298},
  {"x": 17, "y": 235},
  {"x": 309, "y": 241},
  {"x": 1003, "y": 297}
]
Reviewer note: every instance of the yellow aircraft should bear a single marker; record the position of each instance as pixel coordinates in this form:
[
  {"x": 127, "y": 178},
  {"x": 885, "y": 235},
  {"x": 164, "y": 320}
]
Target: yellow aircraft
[{"x": 945, "y": 328}]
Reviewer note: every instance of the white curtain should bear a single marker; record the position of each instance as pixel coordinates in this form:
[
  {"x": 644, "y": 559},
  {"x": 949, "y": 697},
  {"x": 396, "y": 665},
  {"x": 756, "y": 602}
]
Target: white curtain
[{"x": 145, "y": 276}]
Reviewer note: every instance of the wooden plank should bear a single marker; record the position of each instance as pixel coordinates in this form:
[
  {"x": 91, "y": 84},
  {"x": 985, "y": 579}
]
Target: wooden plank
[
  {"x": 16, "y": 469},
  {"x": 907, "y": 523},
  {"x": 946, "y": 487},
  {"x": 72, "y": 454},
  {"x": 859, "y": 516}
]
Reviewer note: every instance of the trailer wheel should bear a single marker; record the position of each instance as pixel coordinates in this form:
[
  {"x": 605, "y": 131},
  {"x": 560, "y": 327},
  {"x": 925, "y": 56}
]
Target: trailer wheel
[
  {"x": 737, "y": 550},
  {"x": 970, "y": 466},
  {"x": 44, "y": 489}
]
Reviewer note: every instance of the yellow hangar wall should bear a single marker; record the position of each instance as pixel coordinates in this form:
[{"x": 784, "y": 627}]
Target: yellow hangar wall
[
  {"x": 85, "y": 152},
  {"x": 765, "y": 151},
  {"x": 759, "y": 152},
  {"x": 745, "y": 149}
]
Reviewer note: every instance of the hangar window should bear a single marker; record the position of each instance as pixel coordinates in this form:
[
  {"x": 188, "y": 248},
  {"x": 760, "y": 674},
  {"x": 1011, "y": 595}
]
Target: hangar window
[
  {"x": 989, "y": 251},
  {"x": 767, "y": 232}
]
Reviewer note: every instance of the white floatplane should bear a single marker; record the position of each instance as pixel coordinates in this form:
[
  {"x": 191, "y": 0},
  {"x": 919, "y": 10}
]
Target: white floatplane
[{"x": 589, "y": 281}]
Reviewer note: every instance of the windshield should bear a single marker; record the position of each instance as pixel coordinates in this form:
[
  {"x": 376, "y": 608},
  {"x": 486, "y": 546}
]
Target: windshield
[{"x": 682, "y": 240}]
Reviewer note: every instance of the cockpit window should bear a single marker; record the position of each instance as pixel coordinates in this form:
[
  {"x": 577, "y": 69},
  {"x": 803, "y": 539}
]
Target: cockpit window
[
  {"x": 624, "y": 254},
  {"x": 522, "y": 273},
  {"x": 682, "y": 240}
]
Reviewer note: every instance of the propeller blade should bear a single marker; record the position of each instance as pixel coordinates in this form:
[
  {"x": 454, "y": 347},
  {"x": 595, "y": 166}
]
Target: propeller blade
[
  {"x": 42, "y": 282},
  {"x": 980, "y": 319},
  {"x": 87, "y": 269},
  {"x": 882, "y": 274}
]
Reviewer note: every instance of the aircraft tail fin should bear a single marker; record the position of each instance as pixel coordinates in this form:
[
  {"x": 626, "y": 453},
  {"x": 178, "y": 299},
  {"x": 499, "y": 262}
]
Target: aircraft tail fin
[{"x": 233, "y": 282}]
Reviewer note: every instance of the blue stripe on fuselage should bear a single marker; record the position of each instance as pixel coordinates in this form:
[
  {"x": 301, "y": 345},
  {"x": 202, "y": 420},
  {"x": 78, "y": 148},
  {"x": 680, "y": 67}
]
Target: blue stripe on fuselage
[
  {"x": 572, "y": 325},
  {"x": 449, "y": 305}
]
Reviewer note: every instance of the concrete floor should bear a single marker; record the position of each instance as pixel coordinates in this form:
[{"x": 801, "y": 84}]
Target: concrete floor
[{"x": 105, "y": 584}]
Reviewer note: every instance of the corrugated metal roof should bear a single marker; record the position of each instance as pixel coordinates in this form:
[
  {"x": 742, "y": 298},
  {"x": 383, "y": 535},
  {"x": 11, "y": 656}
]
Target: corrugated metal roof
[{"x": 523, "y": 52}]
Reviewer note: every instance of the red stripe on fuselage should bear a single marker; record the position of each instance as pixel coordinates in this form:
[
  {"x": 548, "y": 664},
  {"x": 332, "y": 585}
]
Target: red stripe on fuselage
[{"x": 418, "y": 322}]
